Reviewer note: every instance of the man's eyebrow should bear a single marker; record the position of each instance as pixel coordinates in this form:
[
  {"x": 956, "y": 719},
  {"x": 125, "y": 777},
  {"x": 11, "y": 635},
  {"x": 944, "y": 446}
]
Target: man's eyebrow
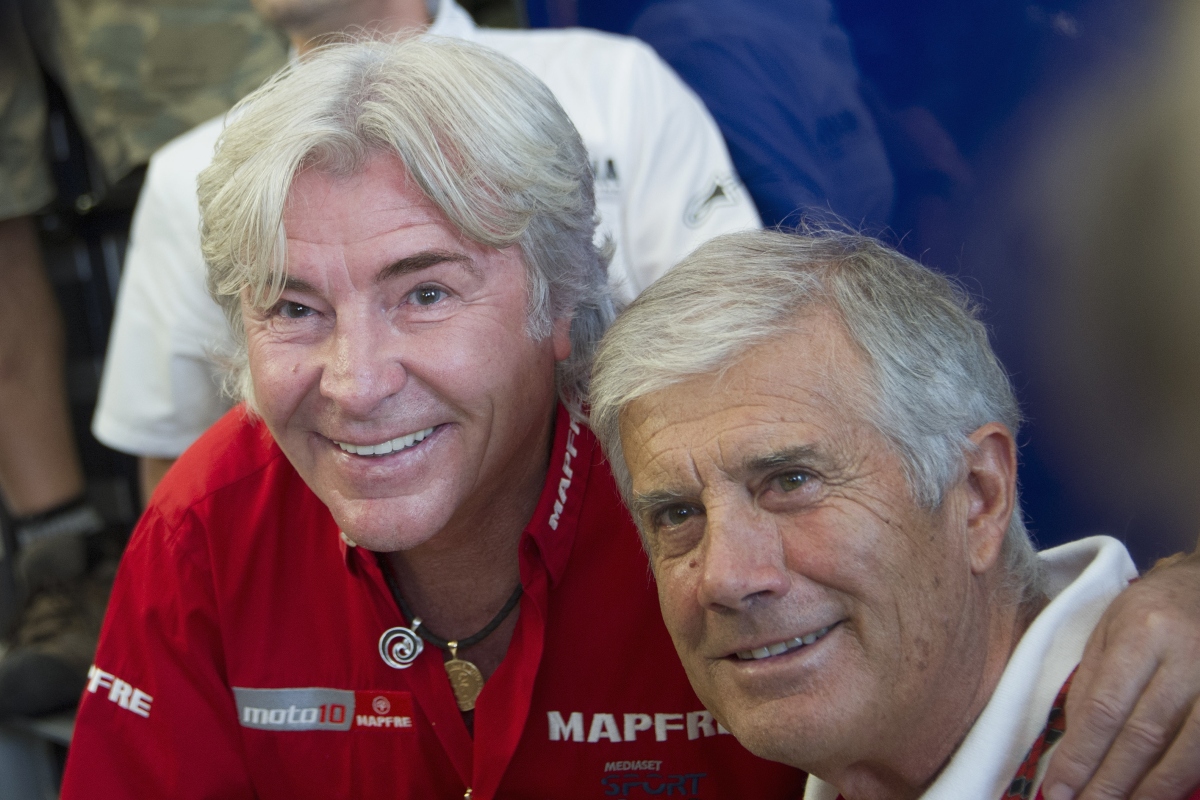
[
  {"x": 425, "y": 260},
  {"x": 642, "y": 504},
  {"x": 291, "y": 284},
  {"x": 799, "y": 456}
]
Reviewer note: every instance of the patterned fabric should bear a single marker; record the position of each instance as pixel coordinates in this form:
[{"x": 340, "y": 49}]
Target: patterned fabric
[
  {"x": 136, "y": 74},
  {"x": 1026, "y": 777}
]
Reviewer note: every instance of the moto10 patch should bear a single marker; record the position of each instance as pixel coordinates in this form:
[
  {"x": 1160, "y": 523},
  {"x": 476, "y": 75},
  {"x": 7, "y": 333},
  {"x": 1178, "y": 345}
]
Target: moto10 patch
[{"x": 320, "y": 709}]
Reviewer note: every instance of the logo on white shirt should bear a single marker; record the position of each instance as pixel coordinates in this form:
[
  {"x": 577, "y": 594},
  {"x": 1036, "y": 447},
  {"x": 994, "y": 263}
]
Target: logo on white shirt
[
  {"x": 723, "y": 191},
  {"x": 606, "y": 179}
]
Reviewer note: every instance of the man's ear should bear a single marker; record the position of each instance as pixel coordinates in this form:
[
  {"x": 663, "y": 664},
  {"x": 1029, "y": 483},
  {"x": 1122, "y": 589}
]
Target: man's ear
[
  {"x": 991, "y": 487},
  {"x": 560, "y": 337}
]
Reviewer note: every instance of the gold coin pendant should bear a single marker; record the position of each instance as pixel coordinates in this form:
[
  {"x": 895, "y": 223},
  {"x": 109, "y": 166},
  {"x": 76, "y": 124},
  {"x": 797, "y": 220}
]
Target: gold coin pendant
[{"x": 466, "y": 680}]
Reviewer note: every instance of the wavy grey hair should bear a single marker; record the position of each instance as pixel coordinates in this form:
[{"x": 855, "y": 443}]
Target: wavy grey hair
[
  {"x": 484, "y": 139},
  {"x": 932, "y": 378}
]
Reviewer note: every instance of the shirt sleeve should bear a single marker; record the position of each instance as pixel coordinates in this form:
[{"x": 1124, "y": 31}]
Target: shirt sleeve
[
  {"x": 680, "y": 189},
  {"x": 157, "y": 718},
  {"x": 161, "y": 385}
]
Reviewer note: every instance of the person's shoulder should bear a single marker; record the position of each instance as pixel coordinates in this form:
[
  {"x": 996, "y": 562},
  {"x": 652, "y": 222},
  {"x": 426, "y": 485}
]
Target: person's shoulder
[
  {"x": 552, "y": 38},
  {"x": 576, "y": 51},
  {"x": 223, "y": 464},
  {"x": 614, "y": 88},
  {"x": 168, "y": 195}
]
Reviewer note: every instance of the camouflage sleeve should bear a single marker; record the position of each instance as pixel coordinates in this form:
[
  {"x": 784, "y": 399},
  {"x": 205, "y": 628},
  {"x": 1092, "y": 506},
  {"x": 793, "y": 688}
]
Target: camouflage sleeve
[
  {"x": 25, "y": 182},
  {"x": 138, "y": 74}
]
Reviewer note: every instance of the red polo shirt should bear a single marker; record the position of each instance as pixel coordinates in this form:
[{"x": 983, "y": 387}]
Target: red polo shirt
[{"x": 240, "y": 657}]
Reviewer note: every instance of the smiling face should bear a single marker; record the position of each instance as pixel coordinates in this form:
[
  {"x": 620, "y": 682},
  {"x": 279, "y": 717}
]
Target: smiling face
[
  {"x": 820, "y": 614},
  {"x": 396, "y": 372}
]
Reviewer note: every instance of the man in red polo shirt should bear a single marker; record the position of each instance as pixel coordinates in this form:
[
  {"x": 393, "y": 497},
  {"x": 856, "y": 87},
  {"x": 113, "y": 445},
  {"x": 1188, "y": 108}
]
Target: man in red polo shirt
[
  {"x": 401, "y": 569},
  {"x": 483, "y": 626}
]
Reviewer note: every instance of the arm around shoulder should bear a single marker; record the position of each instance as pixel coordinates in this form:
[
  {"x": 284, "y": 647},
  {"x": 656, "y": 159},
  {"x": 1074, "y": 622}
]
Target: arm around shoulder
[{"x": 1133, "y": 716}]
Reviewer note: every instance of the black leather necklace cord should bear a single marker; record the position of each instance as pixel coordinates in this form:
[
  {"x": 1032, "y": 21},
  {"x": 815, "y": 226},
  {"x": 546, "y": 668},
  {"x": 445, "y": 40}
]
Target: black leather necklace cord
[{"x": 428, "y": 635}]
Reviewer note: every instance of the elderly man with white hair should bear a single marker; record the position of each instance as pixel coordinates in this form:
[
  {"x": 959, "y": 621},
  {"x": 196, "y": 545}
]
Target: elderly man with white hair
[{"x": 819, "y": 447}]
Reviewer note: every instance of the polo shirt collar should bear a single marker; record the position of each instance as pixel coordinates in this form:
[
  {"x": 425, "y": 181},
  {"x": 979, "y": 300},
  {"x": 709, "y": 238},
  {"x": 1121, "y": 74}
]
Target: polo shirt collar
[{"x": 551, "y": 530}]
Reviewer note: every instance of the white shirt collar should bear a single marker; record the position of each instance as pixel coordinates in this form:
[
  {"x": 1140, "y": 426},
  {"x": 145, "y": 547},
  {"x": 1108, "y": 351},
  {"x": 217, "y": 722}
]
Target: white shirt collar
[{"x": 1083, "y": 577}]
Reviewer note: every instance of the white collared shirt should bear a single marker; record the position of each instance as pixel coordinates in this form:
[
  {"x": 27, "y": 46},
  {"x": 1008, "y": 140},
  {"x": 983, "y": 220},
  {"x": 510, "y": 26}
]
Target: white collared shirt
[{"x": 1083, "y": 578}]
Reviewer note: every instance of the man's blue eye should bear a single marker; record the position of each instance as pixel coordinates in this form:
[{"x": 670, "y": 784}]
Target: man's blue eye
[
  {"x": 292, "y": 310},
  {"x": 427, "y": 295}
]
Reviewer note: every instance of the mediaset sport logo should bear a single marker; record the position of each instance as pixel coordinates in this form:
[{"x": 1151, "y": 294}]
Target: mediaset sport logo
[
  {"x": 636, "y": 783},
  {"x": 625, "y": 778}
]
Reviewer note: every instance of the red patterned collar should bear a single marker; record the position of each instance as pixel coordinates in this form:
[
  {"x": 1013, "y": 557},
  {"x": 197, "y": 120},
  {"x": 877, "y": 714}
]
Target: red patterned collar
[{"x": 1023, "y": 782}]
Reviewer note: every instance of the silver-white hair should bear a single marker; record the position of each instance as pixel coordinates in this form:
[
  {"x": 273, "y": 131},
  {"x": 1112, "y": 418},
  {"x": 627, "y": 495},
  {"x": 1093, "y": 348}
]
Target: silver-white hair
[
  {"x": 932, "y": 378},
  {"x": 483, "y": 138}
]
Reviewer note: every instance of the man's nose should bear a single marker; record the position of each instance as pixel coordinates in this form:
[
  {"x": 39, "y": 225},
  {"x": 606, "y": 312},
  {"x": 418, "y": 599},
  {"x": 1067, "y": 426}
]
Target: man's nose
[
  {"x": 364, "y": 365},
  {"x": 743, "y": 559}
]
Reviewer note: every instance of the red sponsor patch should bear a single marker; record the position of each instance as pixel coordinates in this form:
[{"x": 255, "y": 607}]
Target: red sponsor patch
[{"x": 385, "y": 711}]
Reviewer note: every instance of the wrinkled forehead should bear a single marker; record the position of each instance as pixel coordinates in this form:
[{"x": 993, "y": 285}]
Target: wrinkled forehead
[{"x": 802, "y": 389}]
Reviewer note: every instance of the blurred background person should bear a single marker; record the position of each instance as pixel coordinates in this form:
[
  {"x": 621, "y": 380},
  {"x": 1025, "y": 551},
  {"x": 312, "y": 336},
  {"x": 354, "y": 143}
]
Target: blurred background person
[
  {"x": 965, "y": 117},
  {"x": 782, "y": 82},
  {"x": 1114, "y": 196},
  {"x": 87, "y": 92}
]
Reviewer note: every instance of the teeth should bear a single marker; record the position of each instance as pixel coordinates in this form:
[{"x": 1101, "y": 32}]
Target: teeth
[
  {"x": 781, "y": 647},
  {"x": 392, "y": 445}
]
